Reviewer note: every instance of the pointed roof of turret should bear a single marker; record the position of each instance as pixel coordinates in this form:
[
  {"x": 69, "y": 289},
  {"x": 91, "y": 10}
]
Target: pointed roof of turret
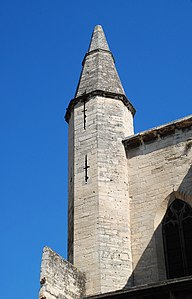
[
  {"x": 99, "y": 75},
  {"x": 99, "y": 71}
]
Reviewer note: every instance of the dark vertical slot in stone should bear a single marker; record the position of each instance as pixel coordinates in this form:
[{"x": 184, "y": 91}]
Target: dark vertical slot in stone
[
  {"x": 84, "y": 115},
  {"x": 86, "y": 169}
]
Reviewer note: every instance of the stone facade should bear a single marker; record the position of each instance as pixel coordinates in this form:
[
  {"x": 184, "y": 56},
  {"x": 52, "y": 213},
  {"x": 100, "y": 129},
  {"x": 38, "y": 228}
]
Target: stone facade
[
  {"x": 99, "y": 207},
  {"x": 120, "y": 186},
  {"x": 160, "y": 170}
]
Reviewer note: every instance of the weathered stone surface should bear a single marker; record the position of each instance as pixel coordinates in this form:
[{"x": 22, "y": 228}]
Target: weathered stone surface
[
  {"x": 99, "y": 220},
  {"x": 99, "y": 208},
  {"x": 158, "y": 172},
  {"x": 59, "y": 279},
  {"x": 99, "y": 76},
  {"x": 99, "y": 72},
  {"x": 98, "y": 40}
]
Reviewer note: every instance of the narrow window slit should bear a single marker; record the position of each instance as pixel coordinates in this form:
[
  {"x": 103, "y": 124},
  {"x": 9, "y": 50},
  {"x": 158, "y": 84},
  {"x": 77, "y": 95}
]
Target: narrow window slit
[
  {"x": 84, "y": 115},
  {"x": 86, "y": 169}
]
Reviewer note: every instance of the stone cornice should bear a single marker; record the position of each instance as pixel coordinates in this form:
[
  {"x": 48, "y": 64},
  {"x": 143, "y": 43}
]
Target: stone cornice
[
  {"x": 106, "y": 94},
  {"x": 157, "y": 132}
]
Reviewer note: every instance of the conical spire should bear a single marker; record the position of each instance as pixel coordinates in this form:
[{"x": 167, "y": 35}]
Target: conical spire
[
  {"x": 99, "y": 75},
  {"x": 99, "y": 72}
]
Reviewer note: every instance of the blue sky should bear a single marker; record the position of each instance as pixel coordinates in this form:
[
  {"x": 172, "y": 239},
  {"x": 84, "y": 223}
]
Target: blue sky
[{"x": 42, "y": 45}]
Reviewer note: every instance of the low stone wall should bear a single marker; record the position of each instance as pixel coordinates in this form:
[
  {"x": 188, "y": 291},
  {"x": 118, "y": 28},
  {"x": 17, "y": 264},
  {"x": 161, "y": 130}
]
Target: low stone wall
[{"x": 59, "y": 279}]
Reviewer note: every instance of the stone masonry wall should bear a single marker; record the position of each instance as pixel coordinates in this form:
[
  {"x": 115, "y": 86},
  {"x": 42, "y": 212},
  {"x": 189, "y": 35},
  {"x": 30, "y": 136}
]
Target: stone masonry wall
[
  {"x": 59, "y": 279},
  {"x": 83, "y": 197},
  {"x": 100, "y": 206},
  {"x": 114, "y": 123},
  {"x": 159, "y": 172}
]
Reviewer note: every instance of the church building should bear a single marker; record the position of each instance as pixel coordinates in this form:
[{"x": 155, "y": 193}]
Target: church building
[{"x": 129, "y": 196}]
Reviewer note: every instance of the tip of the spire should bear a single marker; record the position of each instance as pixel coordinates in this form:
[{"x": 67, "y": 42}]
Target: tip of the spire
[
  {"x": 98, "y": 27},
  {"x": 98, "y": 40}
]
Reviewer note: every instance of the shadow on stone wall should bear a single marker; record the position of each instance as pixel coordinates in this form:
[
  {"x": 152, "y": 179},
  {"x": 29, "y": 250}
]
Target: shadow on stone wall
[{"x": 151, "y": 266}]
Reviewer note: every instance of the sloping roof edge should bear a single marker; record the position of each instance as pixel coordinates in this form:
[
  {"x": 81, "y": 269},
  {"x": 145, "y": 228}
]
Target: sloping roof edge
[
  {"x": 184, "y": 283},
  {"x": 156, "y": 132}
]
